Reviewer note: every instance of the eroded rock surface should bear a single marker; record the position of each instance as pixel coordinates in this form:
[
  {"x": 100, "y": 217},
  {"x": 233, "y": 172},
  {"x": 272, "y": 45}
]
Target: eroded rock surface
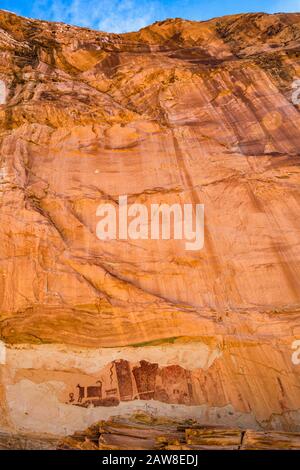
[
  {"x": 179, "y": 112},
  {"x": 142, "y": 432}
]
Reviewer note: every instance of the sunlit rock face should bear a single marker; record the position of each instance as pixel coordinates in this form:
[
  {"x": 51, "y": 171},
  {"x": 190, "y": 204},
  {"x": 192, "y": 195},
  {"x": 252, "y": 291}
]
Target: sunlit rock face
[
  {"x": 179, "y": 112},
  {"x": 2, "y": 92}
]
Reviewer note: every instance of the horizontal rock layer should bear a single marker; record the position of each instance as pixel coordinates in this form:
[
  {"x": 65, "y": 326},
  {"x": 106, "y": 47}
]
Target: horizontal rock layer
[{"x": 141, "y": 432}]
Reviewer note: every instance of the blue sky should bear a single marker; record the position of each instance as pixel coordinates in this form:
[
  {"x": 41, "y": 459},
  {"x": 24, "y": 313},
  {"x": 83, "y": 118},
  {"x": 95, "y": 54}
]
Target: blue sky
[{"x": 131, "y": 15}]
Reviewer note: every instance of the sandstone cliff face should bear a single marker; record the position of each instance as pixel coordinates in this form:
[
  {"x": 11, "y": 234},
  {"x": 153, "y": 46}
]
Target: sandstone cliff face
[{"x": 179, "y": 112}]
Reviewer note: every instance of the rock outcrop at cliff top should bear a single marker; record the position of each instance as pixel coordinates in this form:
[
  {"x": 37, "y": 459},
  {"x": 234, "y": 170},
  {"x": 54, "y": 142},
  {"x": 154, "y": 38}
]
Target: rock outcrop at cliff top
[{"x": 179, "y": 112}]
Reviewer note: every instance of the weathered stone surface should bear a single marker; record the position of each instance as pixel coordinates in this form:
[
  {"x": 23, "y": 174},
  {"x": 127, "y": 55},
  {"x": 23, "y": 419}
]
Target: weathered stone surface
[
  {"x": 13, "y": 441},
  {"x": 138, "y": 432},
  {"x": 181, "y": 111},
  {"x": 254, "y": 440},
  {"x": 214, "y": 437}
]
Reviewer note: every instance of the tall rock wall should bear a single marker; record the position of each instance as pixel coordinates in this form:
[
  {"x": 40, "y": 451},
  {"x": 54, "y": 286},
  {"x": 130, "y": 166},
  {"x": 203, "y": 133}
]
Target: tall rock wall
[{"x": 179, "y": 112}]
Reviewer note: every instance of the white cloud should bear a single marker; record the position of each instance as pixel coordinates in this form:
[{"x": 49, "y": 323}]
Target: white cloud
[{"x": 106, "y": 15}]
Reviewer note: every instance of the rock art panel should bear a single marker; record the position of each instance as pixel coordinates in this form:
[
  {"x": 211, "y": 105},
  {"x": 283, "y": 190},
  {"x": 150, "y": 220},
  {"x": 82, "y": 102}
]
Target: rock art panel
[{"x": 144, "y": 381}]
